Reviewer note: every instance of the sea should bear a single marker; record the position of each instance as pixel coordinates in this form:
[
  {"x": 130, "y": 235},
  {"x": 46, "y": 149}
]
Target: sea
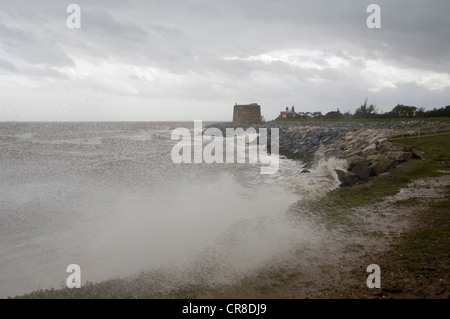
[{"x": 107, "y": 196}]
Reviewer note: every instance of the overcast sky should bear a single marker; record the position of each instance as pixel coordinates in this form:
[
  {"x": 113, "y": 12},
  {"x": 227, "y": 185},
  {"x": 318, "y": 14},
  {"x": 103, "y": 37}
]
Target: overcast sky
[{"x": 185, "y": 60}]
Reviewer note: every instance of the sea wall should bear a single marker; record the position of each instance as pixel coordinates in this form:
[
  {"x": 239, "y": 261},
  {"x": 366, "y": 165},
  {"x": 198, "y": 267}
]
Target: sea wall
[
  {"x": 368, "y": 152},
  {"x": 366, "y": 147}
]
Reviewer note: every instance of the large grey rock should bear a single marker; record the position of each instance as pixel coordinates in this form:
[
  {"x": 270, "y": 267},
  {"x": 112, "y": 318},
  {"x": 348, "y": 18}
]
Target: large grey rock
[
  {"x": 381, "y": 163},
  {"x": 399, "y": 156},
  {"x": 369, "y": 150},
  {"x": 363, "y": 171},
  {"x": 351, "y": 161},
  {"x": 347, "y": 178},
  {"x": 387, "y": 146},
  {"x": 418, "y": 154},
  {"x": 351, "y": 152},
  {"x": 376, "y": 158}
]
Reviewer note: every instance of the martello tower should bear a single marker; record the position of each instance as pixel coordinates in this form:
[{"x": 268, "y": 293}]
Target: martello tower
[{"x": 247, "y": 113}]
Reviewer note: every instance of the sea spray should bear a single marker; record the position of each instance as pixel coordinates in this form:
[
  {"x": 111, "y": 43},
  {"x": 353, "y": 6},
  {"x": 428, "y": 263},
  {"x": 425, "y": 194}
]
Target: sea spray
[{"x": 107, "y": 197}]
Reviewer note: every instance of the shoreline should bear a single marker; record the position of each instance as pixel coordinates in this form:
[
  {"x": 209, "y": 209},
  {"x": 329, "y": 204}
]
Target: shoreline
[
  {"x": 383, "y": 243},
  {"x": 336, "y": 210}
]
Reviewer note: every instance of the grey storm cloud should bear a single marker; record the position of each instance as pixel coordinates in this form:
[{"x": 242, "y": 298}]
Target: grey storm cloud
[
  {"x": 7, "y": 66},
  {"x": 33, "y": 47},
  {"x": 276, "y": 51},
  {"x": 175, "y": 30}
]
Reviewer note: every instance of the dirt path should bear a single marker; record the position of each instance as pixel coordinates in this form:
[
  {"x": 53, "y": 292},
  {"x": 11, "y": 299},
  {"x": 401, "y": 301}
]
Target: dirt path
[{"x": 408, "y": 270}]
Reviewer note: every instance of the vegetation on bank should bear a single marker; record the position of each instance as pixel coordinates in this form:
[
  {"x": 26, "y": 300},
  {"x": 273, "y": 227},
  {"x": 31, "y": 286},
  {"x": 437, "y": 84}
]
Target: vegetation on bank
[
  {"x": 370, "y": 112},
  {"x": 431, "y": 240}
]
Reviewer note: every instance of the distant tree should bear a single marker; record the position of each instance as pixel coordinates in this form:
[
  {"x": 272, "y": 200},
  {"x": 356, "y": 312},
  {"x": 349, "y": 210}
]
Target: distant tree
[
  {"x": 316, "y": 114},
  {"x": 366, "y": 111},
  {"x": 446, "y": 111},
  {"x": 333, "y": 115},
  {"x": 442, "y": 112},
  {"x": 347, "y": 115},
  {"x": 403, "y": 111},
  {"x": 420, "y": 112},
  {"x": 303, "y": 115}
]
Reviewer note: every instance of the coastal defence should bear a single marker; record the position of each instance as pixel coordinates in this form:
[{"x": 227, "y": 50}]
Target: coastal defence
[
  {"x": 367, "y": 147},
  {"x": 247, "y": 113}
]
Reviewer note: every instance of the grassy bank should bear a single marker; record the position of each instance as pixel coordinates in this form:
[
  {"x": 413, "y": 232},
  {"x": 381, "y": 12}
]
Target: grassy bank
[{"x": 424, "y": 245}]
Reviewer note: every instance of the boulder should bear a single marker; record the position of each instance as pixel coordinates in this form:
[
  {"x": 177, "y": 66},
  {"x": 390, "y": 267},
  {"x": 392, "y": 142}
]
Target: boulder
[
  {"x": 418, "y": 154},
  {"x": 376, "y": 158},
  {"x": 363, "y": 171},
  {"x": 348, "y": 136},
  {"x": 330, "y": 151},
  {"x": 381, "y": 163},
  {"x": 351, "y": 161},
  {"x": 371, "y": 149},
  {"x": 346, "y": 178},
  {"x": 399, "y": 156},
  {"x": 387, "y": 146},
  {"x": 351, "y": 152},
  {"x": 361, "y": 144}
]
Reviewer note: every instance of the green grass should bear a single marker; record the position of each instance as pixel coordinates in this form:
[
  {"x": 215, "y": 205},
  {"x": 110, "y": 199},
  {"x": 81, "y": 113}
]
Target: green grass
[
  {"x": 435, "y": 147},
  {"x": 155, "y": 285},
  {"x": 431, "y": 244},
  {"x": 408, "y": 202}
]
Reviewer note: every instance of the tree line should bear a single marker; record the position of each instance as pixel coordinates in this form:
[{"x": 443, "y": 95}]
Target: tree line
[{"x": 366, "y": 111}]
